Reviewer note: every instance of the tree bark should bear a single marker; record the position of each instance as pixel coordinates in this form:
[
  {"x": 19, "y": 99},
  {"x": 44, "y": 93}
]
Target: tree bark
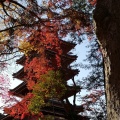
[{"x": 107, "y": 18}]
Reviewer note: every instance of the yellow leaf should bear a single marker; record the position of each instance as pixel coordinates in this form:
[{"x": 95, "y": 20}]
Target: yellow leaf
[
  {"x": 25, "y": 47},
  {"x": 50, "y": 14}
]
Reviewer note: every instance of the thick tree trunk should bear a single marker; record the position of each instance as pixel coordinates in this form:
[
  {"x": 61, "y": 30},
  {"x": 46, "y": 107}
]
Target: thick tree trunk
[{"x": 107, "y": 17}]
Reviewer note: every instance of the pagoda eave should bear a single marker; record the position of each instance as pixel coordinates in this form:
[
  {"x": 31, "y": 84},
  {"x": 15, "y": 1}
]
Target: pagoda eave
[
  {"x": 67, "y": 46},
  {"x": 7, "y": 117},
  {"x": 61, "y": 106},
  {"x": 20, "y": 90},
  {"x": 71, "y": 90},
  {"x": 21, "y": 61},
  {"x": 69, "y": 73},
  {"x": 20, "y": 74},
  {"x": 53, "y": 111}
]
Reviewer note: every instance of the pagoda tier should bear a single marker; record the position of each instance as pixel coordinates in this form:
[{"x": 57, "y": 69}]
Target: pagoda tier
[
  {"x": 21, "y": 90},
  {"x": 58, "y": 104},
  {"x": 21, "y": 61},
  {"x": 56, "y": 111},
  {"x": 58, "y": 108},
  {"x": 71, "y": 90},
  {"x": 68, "y": 74},
  {"x": 59, "y": 113},
  {"x": 20, "y": 74},
  {"x": 67, "y": 46},
  {"x": 66, "y": 59}
]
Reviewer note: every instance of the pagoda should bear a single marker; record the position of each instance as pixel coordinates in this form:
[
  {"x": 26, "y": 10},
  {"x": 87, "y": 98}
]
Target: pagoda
[{"x": 61, "y": 109}]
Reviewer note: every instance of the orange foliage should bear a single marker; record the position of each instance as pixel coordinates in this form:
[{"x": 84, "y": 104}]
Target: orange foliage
[
  {"x": 35, "y": 68},
  {"x": 20, "y": 110},
  {"x": 37, "y": 63}
]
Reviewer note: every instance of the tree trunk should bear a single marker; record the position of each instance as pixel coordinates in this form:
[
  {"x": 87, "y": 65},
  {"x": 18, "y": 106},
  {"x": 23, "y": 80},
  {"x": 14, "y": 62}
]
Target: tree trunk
[{"x": 107, "y": 18}]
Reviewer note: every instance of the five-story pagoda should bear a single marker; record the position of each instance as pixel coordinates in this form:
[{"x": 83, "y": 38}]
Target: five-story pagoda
[{"x": 46, "y": 70}]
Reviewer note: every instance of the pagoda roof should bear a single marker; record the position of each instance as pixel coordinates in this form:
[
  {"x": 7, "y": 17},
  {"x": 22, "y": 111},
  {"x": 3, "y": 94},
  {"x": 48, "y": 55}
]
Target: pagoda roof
[
  {"x": 68, "y": 43},
  {"x": 66, "y": 59},
  {"x": 68, "y": 73},
  {"x": 57, "y": 111},
  {"x": 20, "y": 90},
  {"x": 7, "y": 117},
  {"x": 45, "y": 111},
  {"x": 52, "y": 110},
  {"x": 65, "y": 46},
  {"x": 20, "y": 74},
  {"x": 21, "y": 60},
  {"x": 71, "y": 90},
  {"x": 63, "y": 55},
  {"x": 59, "y": 104}
]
